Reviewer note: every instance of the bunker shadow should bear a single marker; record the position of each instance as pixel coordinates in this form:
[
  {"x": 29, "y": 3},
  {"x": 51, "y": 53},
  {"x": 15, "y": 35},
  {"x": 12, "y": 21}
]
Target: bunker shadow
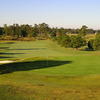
[{"x": 30, "y": 65}]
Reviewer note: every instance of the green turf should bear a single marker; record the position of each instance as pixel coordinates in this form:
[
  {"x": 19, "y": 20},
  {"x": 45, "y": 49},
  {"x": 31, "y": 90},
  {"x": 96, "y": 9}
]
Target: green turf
[
  {"x": 19, "y": 50},
  {"x": 48, "y": 72}
]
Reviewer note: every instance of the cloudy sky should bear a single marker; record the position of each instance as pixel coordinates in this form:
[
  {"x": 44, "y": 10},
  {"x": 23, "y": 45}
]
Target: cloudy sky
[{"x": 56, "y": 13}]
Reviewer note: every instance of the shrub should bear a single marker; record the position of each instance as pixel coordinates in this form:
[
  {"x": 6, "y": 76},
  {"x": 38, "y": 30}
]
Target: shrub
[
  {"x": 54, "y": 39},
  {"x": 59, "y": 39},
  {"x": 96, "y": 44},
  {"x": 53, "y": 34},
  {"x": 65, "y": 41},
  {"x": 90, "y": 44},
  {"x": 77, "y": 41}
]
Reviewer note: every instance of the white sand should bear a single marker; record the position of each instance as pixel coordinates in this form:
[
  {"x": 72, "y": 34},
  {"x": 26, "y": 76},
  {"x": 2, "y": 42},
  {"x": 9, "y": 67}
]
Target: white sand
[
  {"x": 10, "y": 61},
  {"x": 6, "y": 62}
]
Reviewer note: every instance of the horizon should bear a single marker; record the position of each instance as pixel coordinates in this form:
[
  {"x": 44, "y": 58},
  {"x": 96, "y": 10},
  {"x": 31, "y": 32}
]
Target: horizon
[{"x": 56, "y": 13}]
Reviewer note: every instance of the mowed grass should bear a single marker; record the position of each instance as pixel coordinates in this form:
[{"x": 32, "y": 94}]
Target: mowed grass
[
  {"x": 48, "y": 72},
  {"x": 19, "y": 50}
]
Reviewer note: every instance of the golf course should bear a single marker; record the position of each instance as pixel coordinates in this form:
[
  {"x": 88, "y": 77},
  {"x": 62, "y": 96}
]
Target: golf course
[{"x": 43, "y": 70}]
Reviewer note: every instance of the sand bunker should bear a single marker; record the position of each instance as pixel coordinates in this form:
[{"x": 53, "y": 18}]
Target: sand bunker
[
  {"x": 6, "y": 62},
  {"x": 10, "y": 61}
]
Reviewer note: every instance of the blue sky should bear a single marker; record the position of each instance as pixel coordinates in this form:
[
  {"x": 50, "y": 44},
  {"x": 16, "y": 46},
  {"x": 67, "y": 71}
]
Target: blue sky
[{"x": 56, "y": 13}]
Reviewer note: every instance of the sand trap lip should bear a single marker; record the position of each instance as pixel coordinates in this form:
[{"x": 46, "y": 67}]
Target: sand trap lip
[{"x": 7, "y": 61}]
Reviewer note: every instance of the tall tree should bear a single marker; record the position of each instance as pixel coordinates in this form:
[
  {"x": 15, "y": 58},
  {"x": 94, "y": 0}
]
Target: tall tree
[
  {"x": 34, "y": 31},
  {"x": 42, "y": 28},
  {"x": 5, "y": 29},
  {"x": 83, "y": 31}
]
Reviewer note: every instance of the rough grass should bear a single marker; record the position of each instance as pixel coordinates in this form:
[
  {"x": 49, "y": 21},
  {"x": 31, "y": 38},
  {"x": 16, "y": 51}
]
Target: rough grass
[
  {"x": 48, "y": 72},
  {"x": 90, "y": 36}
]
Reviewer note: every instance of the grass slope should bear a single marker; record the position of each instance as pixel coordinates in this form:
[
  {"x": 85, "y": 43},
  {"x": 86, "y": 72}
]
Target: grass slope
[{"x": 49, "y": 72}]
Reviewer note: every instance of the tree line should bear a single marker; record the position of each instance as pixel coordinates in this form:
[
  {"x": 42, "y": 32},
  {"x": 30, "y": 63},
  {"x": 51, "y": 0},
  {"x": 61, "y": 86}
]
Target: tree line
[{"x": 42, "y": 31}]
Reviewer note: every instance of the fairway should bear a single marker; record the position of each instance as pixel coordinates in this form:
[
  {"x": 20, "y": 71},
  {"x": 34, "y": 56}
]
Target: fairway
[
  {"x": 48, "y": 72},
  {"x": 19, "y": 50}
]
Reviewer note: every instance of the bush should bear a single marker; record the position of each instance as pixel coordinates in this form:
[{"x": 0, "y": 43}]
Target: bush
[
  {"x": 77, "y": 41},
  {"x": 59, "y": 39},
  {"x": 96, "y": 44},
  {"x": 73, "y": 41},
  {"x": 53, "y": 34},
  {"x": 90, "y": 44},
  {"x": 54, "y": 39},
  {"x": 65, "y": 41}
]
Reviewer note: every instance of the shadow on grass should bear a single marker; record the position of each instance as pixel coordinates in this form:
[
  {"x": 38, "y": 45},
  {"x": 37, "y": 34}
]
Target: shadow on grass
[
  {"x": 6, "y": 43},
  {"x": 4, "y": 47},
  {"x": 30, "y": 49},
  {"x": 30, "y": 65},
  {"x": 9, "y": 43},
  {"x": 10, "y": 53},
  {"x": 4, "y": 57},
  {"x": 86, "y": 49}
]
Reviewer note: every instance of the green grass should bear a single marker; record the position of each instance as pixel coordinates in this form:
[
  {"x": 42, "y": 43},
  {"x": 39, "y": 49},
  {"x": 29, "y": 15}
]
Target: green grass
[
  {"x": 48, "y": 72},
  {"x": 19, "y": 50}
]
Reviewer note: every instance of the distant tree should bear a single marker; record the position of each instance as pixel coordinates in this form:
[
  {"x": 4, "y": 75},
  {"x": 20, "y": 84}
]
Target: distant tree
[
  {"x": 24, "y": 31},
  {"x": 34, "y": 31},
  {"x": 11, "y": 30},
  {"x": 42, "y": 28},
  {"x": 46, "y": 32},
  {"x": 5, "y": 29},
  {"x": 17, "y": 31},
  {"x": 77, "y": 41},
  {"x": 63, "y": 31},
  {"x": 83, "y": 31},
  {"x": 91, "y": 31},
  {"x": 12, "y": 33}
]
